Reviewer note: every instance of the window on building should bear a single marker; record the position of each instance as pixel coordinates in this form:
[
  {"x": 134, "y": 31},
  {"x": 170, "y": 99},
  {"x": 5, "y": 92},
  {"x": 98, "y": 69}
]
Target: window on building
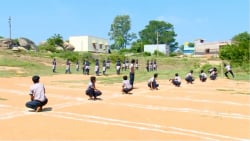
[
  {"x": 94, "y": 45},
  {"x": 207, "y": 51},
  {"x": 100, "y": 46}
]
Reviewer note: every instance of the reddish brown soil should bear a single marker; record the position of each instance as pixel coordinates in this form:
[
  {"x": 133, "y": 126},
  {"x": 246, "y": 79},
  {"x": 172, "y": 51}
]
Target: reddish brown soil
[{"x": 214, "y": 110}]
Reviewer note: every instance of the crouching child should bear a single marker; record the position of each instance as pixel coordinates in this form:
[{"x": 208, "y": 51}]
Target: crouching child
[
  {"x": 126, "y": 86},
  {"x": 152, "y": 84},
  {"x": 176, "y": 80},
  {"x": 92, "y": 91},
  {"x": 37, "y": 95}
]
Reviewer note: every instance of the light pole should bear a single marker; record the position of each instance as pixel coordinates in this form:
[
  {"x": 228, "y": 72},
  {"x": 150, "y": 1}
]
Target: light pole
[
  {"x": 157, "y": 42},
  {"x": 157, "y": 37},
  {"x": 10, "y": 31}
]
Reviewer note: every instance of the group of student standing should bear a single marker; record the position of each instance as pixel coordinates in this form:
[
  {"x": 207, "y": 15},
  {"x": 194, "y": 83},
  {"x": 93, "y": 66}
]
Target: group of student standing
[{"x": 120, "y": 66}]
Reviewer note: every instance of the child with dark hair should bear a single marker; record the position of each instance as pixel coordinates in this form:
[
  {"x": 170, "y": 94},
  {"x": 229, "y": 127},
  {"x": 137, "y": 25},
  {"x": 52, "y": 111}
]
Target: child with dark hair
[
  {"x": 228, "y": 70},
  {"x": 177, "y": 80},
  {"x": 108, "y": 63},
  {"x": 155, "y": 65},
  {"x": 132, "y": 72},
  {"x": 92, "y": 91},
  {"x": 126, "y": 64},
  {"x": 123, "y": 65},
  {"x": 67, "y": 66},
  {"x": 213, "y": 73},
  {"x": 126, "y": 86},
  {"x": 147, "y": 66},
  {"x": 118, "y": 67},
  {"x": 97, "y": 67},
  {"x": 83, "y": 66},
  {"x": 203, "y": 76},
  {"x": 152, "y": 84},
  {"x": 136, "y": 64},
  {"x": 189, "y": 77},
  {"x": 77, "y": 65},
  {"x": 104, "y": 66},
  {"x": 87, "y": 67},
  {"x": 54, "y": 65},
  {"x": 37, "y": 95}
]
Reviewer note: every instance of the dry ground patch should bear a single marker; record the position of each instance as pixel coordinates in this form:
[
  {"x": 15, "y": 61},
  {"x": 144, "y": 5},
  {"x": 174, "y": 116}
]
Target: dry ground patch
[{"x": 214, "y": 110}]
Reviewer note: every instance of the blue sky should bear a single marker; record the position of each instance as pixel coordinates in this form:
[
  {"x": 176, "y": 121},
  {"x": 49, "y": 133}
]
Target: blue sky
[{"x": 211, "y": 20}]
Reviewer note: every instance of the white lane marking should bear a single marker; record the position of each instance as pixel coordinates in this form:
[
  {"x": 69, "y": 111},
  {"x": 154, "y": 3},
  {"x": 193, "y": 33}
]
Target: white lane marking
[
  {"x": 174, "y": 109},
  {"x": 199, "y": 100},
  {"x": 207, "y": 134},
  {"x": 141, "y": 93},
  {"x": 136, "y": 94},
  {"x": 14, "y": 114},
  {"x": 4, "y": 106},
  {"x": 123, "y": 123}
]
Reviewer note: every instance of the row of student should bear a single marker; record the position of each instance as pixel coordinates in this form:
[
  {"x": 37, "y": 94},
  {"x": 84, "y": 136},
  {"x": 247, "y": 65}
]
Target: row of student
[
  {"x": 38, "y": 98},
  {"x": 120, "y": 66}
]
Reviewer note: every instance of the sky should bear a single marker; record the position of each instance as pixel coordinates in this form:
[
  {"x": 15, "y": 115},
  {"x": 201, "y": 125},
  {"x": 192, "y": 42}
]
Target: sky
[{"x": 38, "y": 20}]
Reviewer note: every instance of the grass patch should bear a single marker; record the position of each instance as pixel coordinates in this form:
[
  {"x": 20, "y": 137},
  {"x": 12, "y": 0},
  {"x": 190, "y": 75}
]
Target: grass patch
[
  {"x": 224, "y": 90},
  {"x": 243, "y": 93},
  {"x": 2, "y": 98},
  {"x": 30, "y": 63}
]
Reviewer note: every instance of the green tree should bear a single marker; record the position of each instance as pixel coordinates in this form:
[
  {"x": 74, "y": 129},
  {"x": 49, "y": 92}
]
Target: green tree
[
  {"x": 182, "y": 48},
  {"x": 159, "y": 32},
  {"x": 239, "y": 51},
  {"x": 137, "y": 46},
  {"x": 57, "y": 39},
  {"x": 191, "y": 44},
  {"x": 119, "y": 32},
  {"x": 52, "y": 42}
]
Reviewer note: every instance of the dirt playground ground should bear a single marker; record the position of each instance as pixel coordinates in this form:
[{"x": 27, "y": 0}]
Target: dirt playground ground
[{"x": 214, "y": 110}]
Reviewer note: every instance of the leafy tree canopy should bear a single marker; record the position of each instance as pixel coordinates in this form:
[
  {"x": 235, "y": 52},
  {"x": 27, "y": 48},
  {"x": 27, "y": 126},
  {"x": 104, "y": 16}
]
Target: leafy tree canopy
[
  {"x": 239, "y": 51},
  {"x": 52, "y": 42},
  {"x": 159, "y": 32},
  {"x": 119, "y": 32}
]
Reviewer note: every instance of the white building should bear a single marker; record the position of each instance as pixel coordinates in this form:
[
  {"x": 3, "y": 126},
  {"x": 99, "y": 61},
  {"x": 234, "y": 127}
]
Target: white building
[
  {"x": 160, "y": 47},
  {"x": 202, "y": 47},
  {"x": 89, "y": 44}
]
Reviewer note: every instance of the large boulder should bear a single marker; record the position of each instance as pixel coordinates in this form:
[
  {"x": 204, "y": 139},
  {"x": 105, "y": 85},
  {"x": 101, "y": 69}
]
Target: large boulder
[
  {"x": 68, "y": 46},
  {"x": 27, "y": 43},
  {"x": 4, "y": 43}
]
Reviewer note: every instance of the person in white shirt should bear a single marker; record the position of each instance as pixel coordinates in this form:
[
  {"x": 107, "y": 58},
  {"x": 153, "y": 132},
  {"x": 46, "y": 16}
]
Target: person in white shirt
[
  {"x": 203, "y": 76},
  {"x": 177, "y": 80},
  {"x": 126, "y": 86},
  {"x": 228, "y": 70},
  {"x": 152, "y": 84},
  {"x": 91, "y": 90},
  {"x": 189, "y": 77},
  {"x": 37, "y": 95},
  {"x": 213, "y": 73}
]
